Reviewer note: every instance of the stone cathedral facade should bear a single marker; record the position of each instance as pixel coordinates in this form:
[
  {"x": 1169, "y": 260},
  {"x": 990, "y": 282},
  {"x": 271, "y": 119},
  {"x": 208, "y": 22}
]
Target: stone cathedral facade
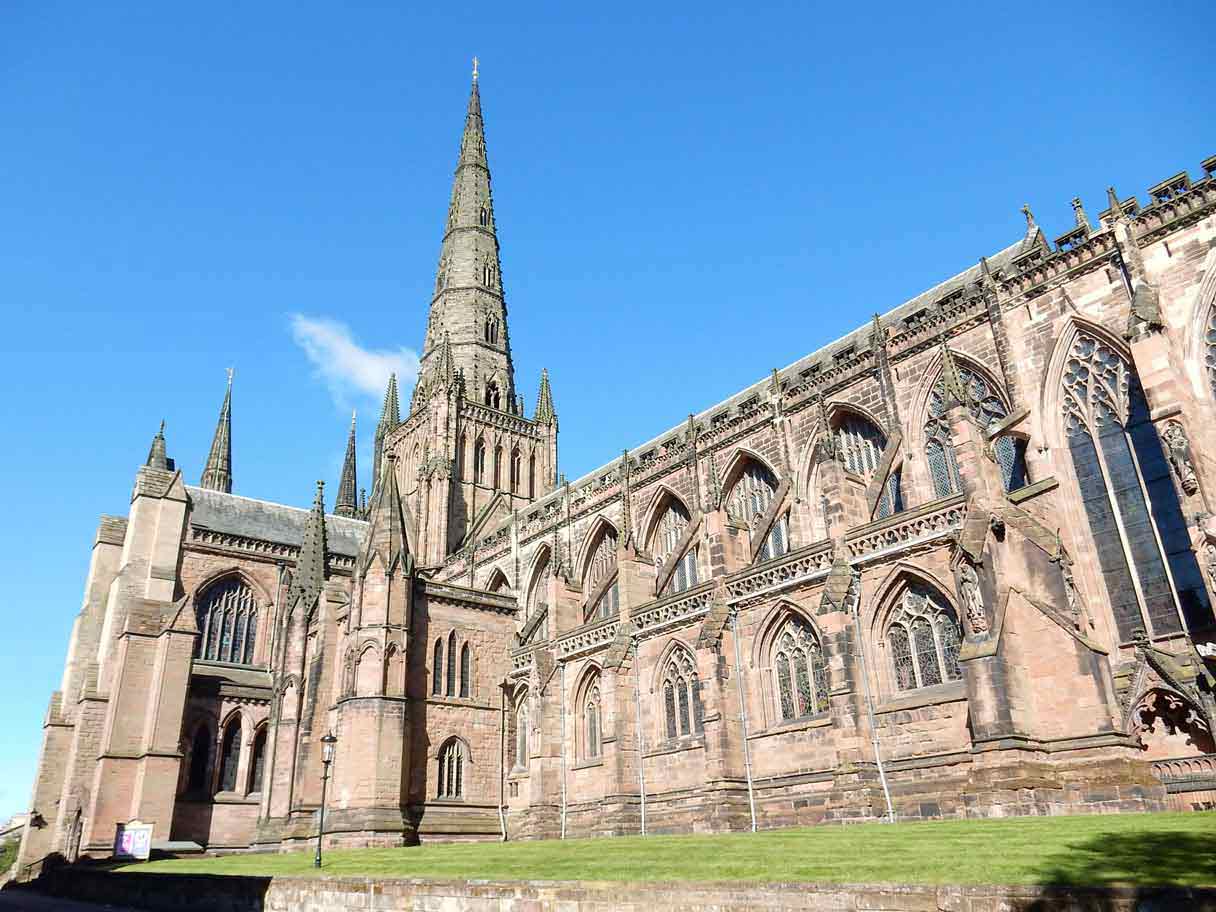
[{"x": 961, "y": 562}]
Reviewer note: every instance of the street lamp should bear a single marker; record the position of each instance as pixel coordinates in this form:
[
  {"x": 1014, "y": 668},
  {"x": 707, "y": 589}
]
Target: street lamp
[{"x": 327, "y": 757}]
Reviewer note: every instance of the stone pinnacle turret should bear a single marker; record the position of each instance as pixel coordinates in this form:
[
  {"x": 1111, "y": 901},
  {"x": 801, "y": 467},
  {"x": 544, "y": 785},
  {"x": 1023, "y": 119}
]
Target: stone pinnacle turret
[
  {"x": 217, "y": 474},
  {"x": 390, "y": 418},
  {"x": 545, "y": 413},
  {"x": 309, "y": 577},
  {"x": 468, "y": 307},
  {"x": 347, "y": 503},
  {"x": 158, "y": 458}
]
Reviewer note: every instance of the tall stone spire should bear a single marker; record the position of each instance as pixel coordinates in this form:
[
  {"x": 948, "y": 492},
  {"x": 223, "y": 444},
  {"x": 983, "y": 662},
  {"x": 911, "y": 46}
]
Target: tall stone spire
[
  {"x": 468, "y": 305},
  {"x": 217, "y": 474},
  {"x": 390, "y": 418},
  {"x": 545, "y": 413},
  {"x": 158, "y": 458},
  {"x": 309, "y": 577},
  {"x": 348, "y": 503}
]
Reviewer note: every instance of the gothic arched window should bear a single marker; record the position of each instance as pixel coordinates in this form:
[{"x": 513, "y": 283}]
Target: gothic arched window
[
  {"x": 450, "y": 670},
  {"x": 532, "y": 475},
  {"x": 493, "y": 396},
  {"x": 800, "y": 671},
  {"x": 668, "y": 535},
  {"x": 451, "y": 770},
  {"x": 230, "y": 755},
  {"x": 1143, "y": 548},
  {"x": 748, "y": 502},
  {"x": 538, "y": 594},
  {"x": 257, "y": 764},
  {"x": 681, "y": 696},
  {"x": 601, "y": 565},
  {"x": 483, "y": 217},
  {"x": 592, "y": 735},
  {"x": 923, "y": 638},
  {"x": 861, "y": 445},
  {"x": 521, "y": 732},
  {"x": 437, "y": 669},
  {"x": 497, "y": 467},
  {"x": 200, "y": 750},
  {"x": 988, "y": 408},
  {"x": 515, "y": 469},
  {"x": 227, "y": 623},
  {"x": 466, "y": 669},
  {"x": 1209, "y": 349},
  {"x": 479, "y": 461}
]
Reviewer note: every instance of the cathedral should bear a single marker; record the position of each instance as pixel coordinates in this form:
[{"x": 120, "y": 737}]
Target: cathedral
[{"x": 958, "y": 563}]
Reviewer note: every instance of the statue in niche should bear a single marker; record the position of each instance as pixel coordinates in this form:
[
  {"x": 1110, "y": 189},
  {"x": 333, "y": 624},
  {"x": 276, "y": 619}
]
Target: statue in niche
[
  {"x": 972, "y": 599},
  {"x": 1178, "y": 450}
]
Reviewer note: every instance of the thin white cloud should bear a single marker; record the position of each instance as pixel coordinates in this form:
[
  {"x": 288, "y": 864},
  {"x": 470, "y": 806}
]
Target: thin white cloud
[{"x": 349, "y": 370}]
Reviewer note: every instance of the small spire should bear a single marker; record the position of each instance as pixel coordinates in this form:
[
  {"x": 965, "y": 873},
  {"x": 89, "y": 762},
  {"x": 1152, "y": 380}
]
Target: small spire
[
  {"x": 346, "y": 505},
  {"x": 217, "y": 474},
  {"x": 953, "y": 386},
  {"x": 878, "y": 333},
  {"x": 157, "y": 457},
  {"x": 1030, "y": 224},
  {"x": 827, "y": 440},
  {"x": 1112, "y": 200},
  {"x": 474, "y": 69},
  {"x": 1078, "y": 212},
  {"x": 545, "y": 413}
]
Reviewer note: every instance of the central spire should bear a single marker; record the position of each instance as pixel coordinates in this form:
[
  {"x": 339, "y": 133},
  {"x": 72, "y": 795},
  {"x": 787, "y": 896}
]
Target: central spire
[{"x": 468, "y": 307}]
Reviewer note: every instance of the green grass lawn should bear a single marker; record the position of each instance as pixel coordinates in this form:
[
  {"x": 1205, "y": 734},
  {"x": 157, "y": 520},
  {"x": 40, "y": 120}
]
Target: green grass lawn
[{"x": 1127, "y": 848}]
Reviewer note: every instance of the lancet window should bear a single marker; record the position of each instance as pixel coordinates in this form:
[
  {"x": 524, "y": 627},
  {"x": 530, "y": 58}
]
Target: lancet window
[
  {"x": 493, "y": 396},
  {"x": 521, "y": 732},
  {"x": 479, "y": 461},
  {"x": 451, "y": 770},
  {"x": 257, "y": 764},
  {"x": 466, "y": 669},
  {"x": 230, "y": 755},
  {"x": 988, "y": 408},
  {"x": 515, "y": 470},
  {"x": 450, "y": 670},
  {"x": 200, "y": 750},
  {"x": 437, "y": 669},
  {"x": 592, "y": 721},
  {"x": 799, "y": 670},
  {"x": 670, "y": 532},
  {"x": 228, "y": 623},
  {"x": 749, "y": 501},
  {"x": 923, "y": 640},
  {"x": 1129, "y": 498},
  {"x": 861, "y": 445},
  {"x": 681, "y": 696},
  {"x": 538, "y": 595},
  {"x": 602, "y": 565}
]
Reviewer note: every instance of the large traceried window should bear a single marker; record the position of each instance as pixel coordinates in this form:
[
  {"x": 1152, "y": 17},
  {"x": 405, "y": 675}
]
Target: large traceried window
[
  {"x": 923, "y": 640},
  {"x": 602, "y": 565},
  {"x": 861, "y": 445},
  {"x": 989, "y": 409},
  {"x": 799, "y": 670},
  {"x": 681, "y": 696},
  {"x": 451, "y": 770},
  {"x": 668, "y": 535},
  {"x": 227, "y": 623},
  {"x": 1129, "y": 498},
  {"x": 748, "y": 502}
]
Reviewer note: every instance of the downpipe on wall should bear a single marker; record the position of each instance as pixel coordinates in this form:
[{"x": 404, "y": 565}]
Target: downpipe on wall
[
  {"x": 502, "y": 759},
  {"x": 637, "y": 722},
  {"x": 562, "y": 685},
  {"x": 855, "y": 610}
]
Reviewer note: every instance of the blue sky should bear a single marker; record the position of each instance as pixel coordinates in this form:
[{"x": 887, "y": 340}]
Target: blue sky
[{"x": 686, "y": 198}]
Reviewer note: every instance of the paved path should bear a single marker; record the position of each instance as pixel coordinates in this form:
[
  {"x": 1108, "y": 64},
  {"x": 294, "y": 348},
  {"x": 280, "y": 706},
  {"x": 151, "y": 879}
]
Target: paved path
[{"x": 25, "y": 901}]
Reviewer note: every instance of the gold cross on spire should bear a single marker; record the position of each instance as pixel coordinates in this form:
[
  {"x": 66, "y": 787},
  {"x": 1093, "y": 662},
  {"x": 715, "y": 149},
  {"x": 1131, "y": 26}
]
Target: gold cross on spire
[{"x": 474, "y": 69}]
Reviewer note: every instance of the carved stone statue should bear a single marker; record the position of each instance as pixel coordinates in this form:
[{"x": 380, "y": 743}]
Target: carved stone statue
[
  {"x": 972, "y": 599},
  {"x": 1178, "y": 449}
]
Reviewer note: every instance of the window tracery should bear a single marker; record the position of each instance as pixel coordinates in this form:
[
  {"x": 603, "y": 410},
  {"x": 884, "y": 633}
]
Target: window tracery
[
  {"x": 601, "y": 565},
  {"x": 668, "y": 535},
  {"x": 749, "y": 501},
  {"x": 538, "y": 595},
  {"x": 800, "y": 670},
  {"x": 923, "y": 640},
  {"x": 515, "y": 470},
  {"x": 592, "y": 739},
  {"x": 521, "y": 732},
  {"x": 989, "y": 409},
  {"x": 451, "y": 770},
  {"x": 681, "y": 696},
  {"x": 227, "y": 623}
]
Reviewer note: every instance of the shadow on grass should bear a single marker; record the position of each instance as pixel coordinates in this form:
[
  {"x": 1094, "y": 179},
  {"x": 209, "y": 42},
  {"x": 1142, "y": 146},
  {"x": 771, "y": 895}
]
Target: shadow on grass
[{"x": 1158, "y": 870}]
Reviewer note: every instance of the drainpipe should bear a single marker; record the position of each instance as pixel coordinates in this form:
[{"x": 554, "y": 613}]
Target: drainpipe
[
  {"x": 865, "y": 680},
  {"x": 502, "y": 759},
  {"x": 747, "y": 750},
  {"x": 563, "y": 715},
  {"x": 637, "y": 695}
]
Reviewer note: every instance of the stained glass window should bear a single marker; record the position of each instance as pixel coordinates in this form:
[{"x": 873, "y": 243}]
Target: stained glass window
[
  {"x": 860, "y": 444},
  {"x": 668, "y": 536},
  {"x": 923, "y": 638},
  {"x": 230, "y": 756},
  {"x": 451, "y": 770},
  {"x": 258, "y": 764},
  {"x": 591, "y": 721},
  {"x": 227, "y": 623},
  {"x": 801, "y": 671},
  {"x": 749, "y": 501},
  {"x": 603, "y": 564},
  {"x": 682, "y": 696}
]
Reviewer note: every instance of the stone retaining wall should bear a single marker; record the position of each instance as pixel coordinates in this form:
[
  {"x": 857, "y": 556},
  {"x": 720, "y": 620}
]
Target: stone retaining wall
[{"x": 195, "y": 893}]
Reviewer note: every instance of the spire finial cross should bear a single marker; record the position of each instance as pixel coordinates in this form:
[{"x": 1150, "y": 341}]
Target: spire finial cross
[{"x": 474, "y": 69}]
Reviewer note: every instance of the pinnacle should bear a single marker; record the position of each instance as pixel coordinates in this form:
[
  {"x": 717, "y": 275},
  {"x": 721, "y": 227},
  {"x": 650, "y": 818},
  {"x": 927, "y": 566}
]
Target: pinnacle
[
  {"x": 347, "y": 504},
  {"x": 545, "y": 412},
  {"x": 953, "y": 386},
  {"x": 217, "y": 474},
  {"x": 310, "y": 566},
  {"x": 157, "y": 456}
]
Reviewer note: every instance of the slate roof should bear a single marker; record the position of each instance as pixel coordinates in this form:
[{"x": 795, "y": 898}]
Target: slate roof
[{"x": 230, "y": 513}]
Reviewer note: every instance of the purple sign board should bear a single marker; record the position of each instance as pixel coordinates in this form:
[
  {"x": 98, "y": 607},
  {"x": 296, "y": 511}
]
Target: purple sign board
[{"x": 133, "y": 840}]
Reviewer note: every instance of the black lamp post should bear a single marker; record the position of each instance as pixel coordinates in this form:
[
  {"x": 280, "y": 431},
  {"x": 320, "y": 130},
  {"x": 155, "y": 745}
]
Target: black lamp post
[{"x": 327, "y": 757}]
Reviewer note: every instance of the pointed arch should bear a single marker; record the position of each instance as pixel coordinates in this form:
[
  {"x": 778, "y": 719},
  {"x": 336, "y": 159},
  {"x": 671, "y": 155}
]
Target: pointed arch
[
  {"x": 466, "y": 669},
  {"x": 257, "y": 758},
  {"x": 230, "y": 751},
  {"x": 1199, "y": 334},
  {"x": 516, "y": 470},
  {"x": 790, "y": 654},
  {"x": 538, "y": 581},
  {"x": 736, "y": 464},
  {"x": 479, "y": 460},
  {"x": 601, "y": 588},
  {"x": 369, "y": 671},
  {"x": 394, "y": 671},
  {"x": 589, "y": 715},
  {"x": 918, "y": 633},
  {"x": 520, "y": 721},
  {"x": 437, "y": 667},
  {"x": 449, "y": 671},
  {"x": 753, "y": 494},
  {"x": 600, "y": 528},
  {"x": 229, "y": 619},
  {"x": 670, "y": 538},
  {"x": 679, "y": 692},
  {"x": 662, "y": 495},
  {"x": 1167, "y": 724},
  {"x": 498, "y": 582},
  {"x": 452, "y": 758}
]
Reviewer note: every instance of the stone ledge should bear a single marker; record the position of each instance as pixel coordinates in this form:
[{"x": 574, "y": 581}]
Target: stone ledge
[{"x": 179, "y": 893}]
